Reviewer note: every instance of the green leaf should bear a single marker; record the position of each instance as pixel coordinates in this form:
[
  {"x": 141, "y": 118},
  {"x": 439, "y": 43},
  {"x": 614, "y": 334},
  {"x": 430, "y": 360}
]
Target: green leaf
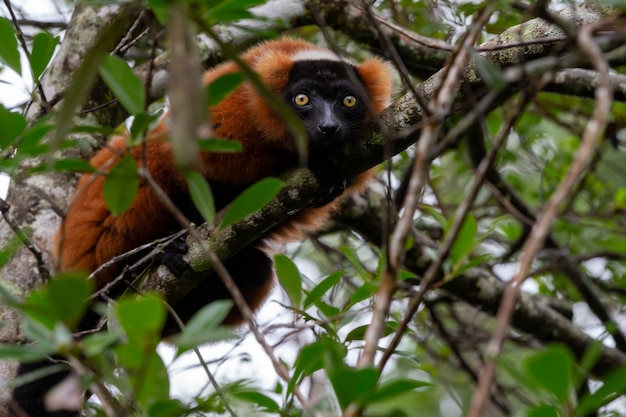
[
  {"x": 160, "y": 8},
  {"x": 25, "y": 353},
  {"x": 490, "y": 73},
  {"x": 356, "y": 261},
  {"x": 461, "y": 267},
  {"x": 464, "y": 242},
  {"x": 219, "y": 145},
  {"x": 6, "y": 254},
  {"x": 552, "y": 370},
  {"x": 146, "y": 371},
  {"x": 9, "y": 54},
  {"x": 506, "y": 225},
  {"x": 38, "y": 374},
  {"x": 613, "y": 386},
  {"x": 261, "y": 400},
  {"x": 167, "y": 408},
  {"x": 141, "y": 123},
  {"x": 436, "y": 214},
  {"x": 621, "y": 4},
  {"x": 222, "y": 86},
  {"x": 133, "y": 355},
  {"x": 353, "y": 385},
  {"x": 126, "y": 86},
  {"x": 121, "y": 186},
  {"x": 251, "y": 200},
  {"x": 313, "y": 357},
  {"x": 544, "y": 411},
  {"x": 289, "y": 278},
  {"x": 232, "y": 10},
  {"x": 206, "y": 326},
  {"x": 38, "y": 332},
  {"x": 13, "y": 124},
  {"x": 231, "y": 15},
  {"x": 142, "y": 318},
  {"x": 619, "y": 199},
  {"x": 73, "y": 165},
  {"x": 364, "y": 292},
  {"x": 64, "y": 299},
  {"x": 322, "y": 288},
  {"x": 62, "y": 336},
  {"x": 395, "y": 388},
  {"x": 333, "y": 354},
  {"x": 98, "y": 343},
  {"x": 44, "y": 45},
  {"x": 101, "y": 130},
  {"x": 310, "y": 359},
  {"x": 32, "y": 142},
  {"x": 327, "y": 310},
  {"x": 153, "y": 381},
  {"x": 201, "y": 195},
  {"x": 358, "y": 333}
]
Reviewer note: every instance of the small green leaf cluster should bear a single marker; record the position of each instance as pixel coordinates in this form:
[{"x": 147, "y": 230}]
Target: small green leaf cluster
[
  {"x": 129, "y": 342},
  {"x": 210, "y": 11},
  {"x": 553, "y": 376},
  {"x": 21, "y": 140},
  {"x": 40, "y": 53}
]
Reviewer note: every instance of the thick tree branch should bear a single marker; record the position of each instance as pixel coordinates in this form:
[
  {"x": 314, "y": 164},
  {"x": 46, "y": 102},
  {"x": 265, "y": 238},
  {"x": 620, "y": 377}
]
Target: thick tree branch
[{"x": 582, "y": 83}]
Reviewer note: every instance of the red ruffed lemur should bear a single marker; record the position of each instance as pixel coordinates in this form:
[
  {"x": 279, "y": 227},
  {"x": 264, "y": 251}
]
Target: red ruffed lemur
[{"x": 317, "y": 86}]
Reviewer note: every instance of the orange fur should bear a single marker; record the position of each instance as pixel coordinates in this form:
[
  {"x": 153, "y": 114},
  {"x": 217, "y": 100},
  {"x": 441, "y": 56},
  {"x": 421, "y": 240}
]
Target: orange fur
[{"x": 91, "y": 235}]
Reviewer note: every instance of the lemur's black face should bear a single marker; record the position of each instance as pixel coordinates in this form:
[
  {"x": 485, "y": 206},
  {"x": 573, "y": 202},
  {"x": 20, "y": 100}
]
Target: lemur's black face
[{"x": 326, "y": 100}]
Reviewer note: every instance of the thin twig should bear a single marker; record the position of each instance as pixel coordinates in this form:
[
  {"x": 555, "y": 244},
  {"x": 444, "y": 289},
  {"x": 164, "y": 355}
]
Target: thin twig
[
  {"x": 437, "y": 109},
  {"x": 44, "y": 273},
  {"x": 501, "y": 403},
  {"x": 20, "y": 36},
  {"x": 205, "y": 366},
  {"x": 460, "y": 214},
  {"x": 591, "y": 135},
  {"x": 110, "y": 404},
  {"x": 128, "y": 40},
  {"x": 439, "y": 106}
]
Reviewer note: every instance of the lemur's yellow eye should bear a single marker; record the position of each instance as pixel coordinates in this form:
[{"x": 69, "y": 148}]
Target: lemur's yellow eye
[
  {"x": 301, "y": 99},
  {"x": 349, "y": 101}
]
